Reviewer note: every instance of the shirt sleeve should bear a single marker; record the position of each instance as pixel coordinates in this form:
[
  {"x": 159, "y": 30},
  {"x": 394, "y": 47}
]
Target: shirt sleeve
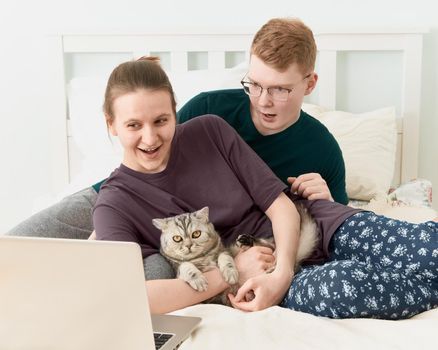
[
  {"x": 335, "y": 174},
  {"x": 257, "y": 178},
  {"x": 111, "y": 225}
]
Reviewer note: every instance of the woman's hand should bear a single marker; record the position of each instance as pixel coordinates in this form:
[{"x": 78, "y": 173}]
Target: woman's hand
[
  {"x": 267, "y": 289},
  {"x": 253, "y": 262},
  {"x": 310, "y": 186}
]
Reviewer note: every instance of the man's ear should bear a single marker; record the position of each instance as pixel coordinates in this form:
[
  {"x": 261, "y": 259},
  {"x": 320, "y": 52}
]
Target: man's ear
[
  {"x": 110, "y": 125},
  {"x": 311, "y": 83}
]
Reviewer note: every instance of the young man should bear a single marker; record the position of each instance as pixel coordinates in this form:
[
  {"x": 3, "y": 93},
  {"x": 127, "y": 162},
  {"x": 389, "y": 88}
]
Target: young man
[{"x": 298, "y": 148}]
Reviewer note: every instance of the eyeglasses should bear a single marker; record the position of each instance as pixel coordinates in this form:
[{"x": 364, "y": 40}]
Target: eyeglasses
[{"x": 278, "y": 93}]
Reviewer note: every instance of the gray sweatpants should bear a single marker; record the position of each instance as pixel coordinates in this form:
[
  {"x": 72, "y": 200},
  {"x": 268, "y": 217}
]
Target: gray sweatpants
[{"x": 72, "y": 218}]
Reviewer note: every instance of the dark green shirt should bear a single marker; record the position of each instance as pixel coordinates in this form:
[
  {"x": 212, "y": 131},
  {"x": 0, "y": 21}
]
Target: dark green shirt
[{"x": 305, "y": 147}]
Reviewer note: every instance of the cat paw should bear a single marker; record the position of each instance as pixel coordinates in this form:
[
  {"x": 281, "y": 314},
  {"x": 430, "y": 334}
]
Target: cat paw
[
  {"x": 189, "y": 273},
  {"x": 231, "y": 276},
  {"x": 198, "y": 283}
]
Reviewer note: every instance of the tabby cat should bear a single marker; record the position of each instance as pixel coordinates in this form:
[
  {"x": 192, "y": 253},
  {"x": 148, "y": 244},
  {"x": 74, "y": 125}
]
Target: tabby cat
[{"x": 192, "y": 246}]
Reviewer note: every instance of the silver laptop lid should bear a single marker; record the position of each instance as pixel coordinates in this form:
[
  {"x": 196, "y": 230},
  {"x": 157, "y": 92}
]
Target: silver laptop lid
[{"x": 72, "y": 294}]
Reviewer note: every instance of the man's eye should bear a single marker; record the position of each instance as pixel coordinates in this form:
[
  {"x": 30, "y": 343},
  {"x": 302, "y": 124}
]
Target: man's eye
[
  {"x": 279, "y": 89},
  {"x": 133, "y": 125}
]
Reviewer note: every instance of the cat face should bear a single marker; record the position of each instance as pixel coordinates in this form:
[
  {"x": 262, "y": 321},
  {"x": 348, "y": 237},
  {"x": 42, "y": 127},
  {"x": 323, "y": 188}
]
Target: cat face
[{"x": 187, "y": 236}]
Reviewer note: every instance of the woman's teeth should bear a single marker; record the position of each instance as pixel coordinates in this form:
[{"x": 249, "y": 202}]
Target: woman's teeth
[{"x": 149, "y": 150}]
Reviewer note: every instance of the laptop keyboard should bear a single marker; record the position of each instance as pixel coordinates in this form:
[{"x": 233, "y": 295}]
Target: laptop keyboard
[{"x": 161, "y": 339}]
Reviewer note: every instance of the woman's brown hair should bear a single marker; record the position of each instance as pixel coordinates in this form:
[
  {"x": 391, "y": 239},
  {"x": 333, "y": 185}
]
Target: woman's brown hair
[{"x": 144, "y": 73}]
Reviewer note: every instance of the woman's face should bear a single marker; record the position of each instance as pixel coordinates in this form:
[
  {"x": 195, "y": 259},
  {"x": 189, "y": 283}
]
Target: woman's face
[{"x": 145, "y": 123}]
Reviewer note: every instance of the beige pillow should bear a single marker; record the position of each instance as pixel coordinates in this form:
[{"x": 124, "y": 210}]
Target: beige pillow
[{"x": 368, "y": 143}]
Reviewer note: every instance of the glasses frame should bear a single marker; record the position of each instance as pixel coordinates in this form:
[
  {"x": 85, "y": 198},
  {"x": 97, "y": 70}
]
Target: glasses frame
[{"x": 244, "y": 84}]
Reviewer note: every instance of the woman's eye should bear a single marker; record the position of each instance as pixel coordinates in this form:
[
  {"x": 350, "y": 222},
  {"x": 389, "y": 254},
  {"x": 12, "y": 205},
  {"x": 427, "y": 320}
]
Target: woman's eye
[
  {"x": 177, "y": 239},
  {"x": 133, "y": 125},
  {"x": 196, "y": 234}
]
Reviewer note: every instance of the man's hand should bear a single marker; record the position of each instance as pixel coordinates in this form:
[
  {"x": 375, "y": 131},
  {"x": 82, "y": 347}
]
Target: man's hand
[
  {"x": 253, "y": 262},
  {"x": 268, "y": 290},
  {"x": 310, "y": 186}
]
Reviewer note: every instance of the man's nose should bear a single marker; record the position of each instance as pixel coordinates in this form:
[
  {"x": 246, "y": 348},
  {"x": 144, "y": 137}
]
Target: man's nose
[{"x": 265, "y": 98}]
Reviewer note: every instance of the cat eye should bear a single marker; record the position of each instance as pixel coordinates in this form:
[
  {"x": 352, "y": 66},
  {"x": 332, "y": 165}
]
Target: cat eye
[
  {"x": 196, "y": 234},
  {"x": 177, "y": 239}
]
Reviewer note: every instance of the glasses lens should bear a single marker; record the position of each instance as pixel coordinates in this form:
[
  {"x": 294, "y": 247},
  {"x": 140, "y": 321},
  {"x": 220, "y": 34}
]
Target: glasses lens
[
  {"x": 279, "y": 94},
  {"x": 252, "y": 89},
  {"x": 246, "y": 88}
]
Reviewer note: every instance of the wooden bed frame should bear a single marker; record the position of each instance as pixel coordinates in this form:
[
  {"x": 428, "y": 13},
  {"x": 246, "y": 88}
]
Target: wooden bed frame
[{"x": 217, "y": 48}]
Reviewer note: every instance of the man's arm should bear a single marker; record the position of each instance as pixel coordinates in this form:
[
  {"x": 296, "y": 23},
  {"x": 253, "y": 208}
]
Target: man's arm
[
  {"x": 330, "y": 183},
  {"x": 311, "y": 186},
  {"x": 334, "y": 174}
]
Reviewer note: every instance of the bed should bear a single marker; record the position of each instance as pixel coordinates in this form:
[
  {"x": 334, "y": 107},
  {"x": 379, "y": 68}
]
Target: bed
[{"x": 376, "y": 122}]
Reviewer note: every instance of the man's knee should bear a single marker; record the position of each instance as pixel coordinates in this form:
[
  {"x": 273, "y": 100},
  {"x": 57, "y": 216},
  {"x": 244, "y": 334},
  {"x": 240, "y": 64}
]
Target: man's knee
[
  {"x": 69, "y": 218},
  {"x": 157, "y": 267}
]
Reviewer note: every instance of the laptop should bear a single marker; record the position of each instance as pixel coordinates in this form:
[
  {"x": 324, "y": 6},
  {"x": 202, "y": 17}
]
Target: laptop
[{"x": 75, "y": 294}]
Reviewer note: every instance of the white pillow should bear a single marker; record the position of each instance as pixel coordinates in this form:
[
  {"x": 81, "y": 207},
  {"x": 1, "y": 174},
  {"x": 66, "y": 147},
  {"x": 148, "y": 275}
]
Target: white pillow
[
  {"x": 368, "y": 143},
  {"x": 188, "y": 84}
]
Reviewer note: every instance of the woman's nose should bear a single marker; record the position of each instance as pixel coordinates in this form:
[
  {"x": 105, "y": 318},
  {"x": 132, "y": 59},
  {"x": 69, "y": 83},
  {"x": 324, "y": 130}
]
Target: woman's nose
[{"x": 149, "y": 136}]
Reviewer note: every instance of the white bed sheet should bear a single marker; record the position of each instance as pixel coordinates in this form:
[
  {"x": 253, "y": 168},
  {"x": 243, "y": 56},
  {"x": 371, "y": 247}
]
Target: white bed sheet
[{"x": 278, "y": 328}]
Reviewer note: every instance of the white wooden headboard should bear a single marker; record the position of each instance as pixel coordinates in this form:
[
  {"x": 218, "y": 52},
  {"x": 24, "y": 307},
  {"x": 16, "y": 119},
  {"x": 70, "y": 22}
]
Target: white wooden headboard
[{"x": 187, "y": 49}]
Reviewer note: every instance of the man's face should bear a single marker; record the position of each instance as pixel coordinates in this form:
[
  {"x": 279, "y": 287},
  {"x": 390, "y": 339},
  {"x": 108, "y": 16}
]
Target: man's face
[{"x": 269, "y": 115}]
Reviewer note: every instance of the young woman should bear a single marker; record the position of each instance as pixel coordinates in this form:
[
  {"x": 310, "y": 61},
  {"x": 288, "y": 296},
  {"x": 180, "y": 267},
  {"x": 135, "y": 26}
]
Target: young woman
[{"x": 374, "y": 266}]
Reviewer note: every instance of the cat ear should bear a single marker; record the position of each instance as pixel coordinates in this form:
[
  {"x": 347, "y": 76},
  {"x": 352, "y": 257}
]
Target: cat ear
[
  {"x": 160, "y": 224},
  {"x": 202, "y": 214}
]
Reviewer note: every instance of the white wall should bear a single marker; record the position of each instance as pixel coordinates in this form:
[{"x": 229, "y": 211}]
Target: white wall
[{"x": 25, "y": 133}]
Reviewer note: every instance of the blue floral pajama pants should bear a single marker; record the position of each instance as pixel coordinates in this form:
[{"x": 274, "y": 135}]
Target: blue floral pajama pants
[{"x": 378, "y": 267}]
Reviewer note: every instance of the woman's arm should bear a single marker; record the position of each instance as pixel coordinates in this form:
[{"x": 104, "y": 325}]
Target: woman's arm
[
  {"x": 173, "y": 294},
  {"x": 286, "y": 228},
  {"x": 269, "y": 289},
  {"x": 164, "y": 295}
]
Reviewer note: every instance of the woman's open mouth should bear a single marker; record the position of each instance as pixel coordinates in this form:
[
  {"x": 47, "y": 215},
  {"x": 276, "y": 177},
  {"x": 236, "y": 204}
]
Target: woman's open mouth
[{"x": 150, "y": 150}]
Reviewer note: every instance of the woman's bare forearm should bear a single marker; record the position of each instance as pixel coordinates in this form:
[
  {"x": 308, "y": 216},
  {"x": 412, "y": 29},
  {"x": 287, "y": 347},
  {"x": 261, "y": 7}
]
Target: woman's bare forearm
[
  {"x": 173, "y": 294},
  {"x": 286, "y": 228}
]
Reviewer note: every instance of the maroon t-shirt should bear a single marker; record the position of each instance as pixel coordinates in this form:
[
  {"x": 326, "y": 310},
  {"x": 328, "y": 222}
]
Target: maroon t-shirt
[
  {"x": 328, "y": 216},
  {"x": 209, "y": 165}
]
